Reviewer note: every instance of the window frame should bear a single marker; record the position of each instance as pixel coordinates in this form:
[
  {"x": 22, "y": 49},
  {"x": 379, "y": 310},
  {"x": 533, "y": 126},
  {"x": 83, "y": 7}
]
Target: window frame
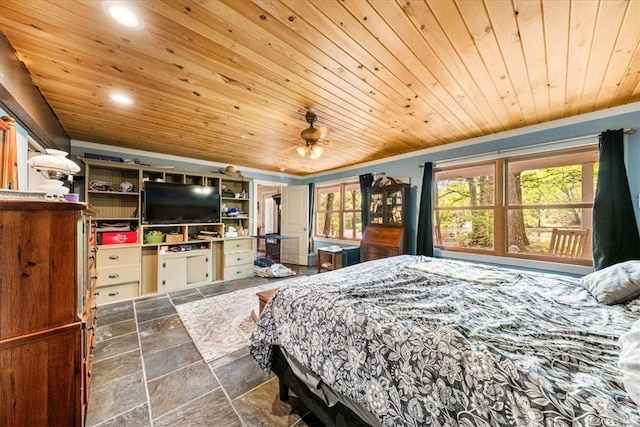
[
  {"x": 341, "y": 189},
  {"x": 501, "y": 205}
]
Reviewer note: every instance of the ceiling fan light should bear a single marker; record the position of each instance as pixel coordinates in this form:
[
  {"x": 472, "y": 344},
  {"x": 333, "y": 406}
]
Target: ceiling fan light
[
  {"x": 316, "y": 152},
  {"x": 302, "y": 150}
]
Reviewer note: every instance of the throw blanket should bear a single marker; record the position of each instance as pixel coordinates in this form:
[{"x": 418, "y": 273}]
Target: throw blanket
[
  {"x": 466, "y": 271},
  {"x": 275, "y": 270},
  {"x": 417, "y": 348},
  {"x": 630, "y": 361}
]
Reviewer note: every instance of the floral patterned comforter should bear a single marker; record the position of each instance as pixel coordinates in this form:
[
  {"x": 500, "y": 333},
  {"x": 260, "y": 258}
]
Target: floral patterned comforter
[{"x": 416, "y": 348}]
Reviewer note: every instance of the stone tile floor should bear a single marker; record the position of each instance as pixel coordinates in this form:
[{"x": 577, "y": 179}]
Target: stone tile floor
[{"x": 148, "y": 372}]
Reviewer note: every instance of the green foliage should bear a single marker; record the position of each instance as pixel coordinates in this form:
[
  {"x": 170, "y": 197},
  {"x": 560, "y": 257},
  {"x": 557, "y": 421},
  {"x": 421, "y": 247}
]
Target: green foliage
[
  {"x": 558, "y": 185},
  {"x": 329, "y": 212}
]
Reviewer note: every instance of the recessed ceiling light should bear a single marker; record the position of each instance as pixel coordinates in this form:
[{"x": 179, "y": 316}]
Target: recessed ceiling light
[
  {"x": 121, "y": 98},
  {"x": 123, "y": 14}
]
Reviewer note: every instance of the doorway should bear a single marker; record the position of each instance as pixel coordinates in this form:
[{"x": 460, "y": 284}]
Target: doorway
[
  {"x": 265, "y": 210},
  {"x": 287, "y": 219}
]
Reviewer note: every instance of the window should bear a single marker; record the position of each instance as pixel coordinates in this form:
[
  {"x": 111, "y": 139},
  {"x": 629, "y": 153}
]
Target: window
[
  {"x": 517, "y": 206},
  {"x": 338, "y": 212}
]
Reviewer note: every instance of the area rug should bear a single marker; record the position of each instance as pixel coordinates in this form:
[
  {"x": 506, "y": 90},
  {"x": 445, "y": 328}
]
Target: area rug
[{"x": 221, "y": 324}]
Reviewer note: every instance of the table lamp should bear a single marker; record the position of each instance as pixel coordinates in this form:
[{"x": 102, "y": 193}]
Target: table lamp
[{"x": 53, "y": 166}]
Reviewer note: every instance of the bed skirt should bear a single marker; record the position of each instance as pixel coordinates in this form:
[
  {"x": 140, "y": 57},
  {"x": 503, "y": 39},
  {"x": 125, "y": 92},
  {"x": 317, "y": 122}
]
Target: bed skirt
[{"x": 338, "y": 415}]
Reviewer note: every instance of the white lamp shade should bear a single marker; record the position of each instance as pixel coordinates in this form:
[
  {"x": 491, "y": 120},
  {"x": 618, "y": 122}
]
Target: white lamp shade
[
  {"x": 302, "y": 150},
  {"x": 54, "y": 161},
  {"x": 316, "y": 152}
]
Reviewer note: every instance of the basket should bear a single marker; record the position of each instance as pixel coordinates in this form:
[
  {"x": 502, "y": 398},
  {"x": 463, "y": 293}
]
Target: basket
[
  {"x": 154, "y": 238},
  {"x": 174, "y": 238}
]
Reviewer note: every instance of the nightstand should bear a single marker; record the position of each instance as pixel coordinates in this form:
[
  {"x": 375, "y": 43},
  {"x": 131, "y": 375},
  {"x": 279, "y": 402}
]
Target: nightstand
[{"x": 330, "y": 258}]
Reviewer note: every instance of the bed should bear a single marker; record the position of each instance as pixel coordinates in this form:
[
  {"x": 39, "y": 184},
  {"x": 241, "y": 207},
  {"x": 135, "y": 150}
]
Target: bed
[{"x": 413, "y": 340}]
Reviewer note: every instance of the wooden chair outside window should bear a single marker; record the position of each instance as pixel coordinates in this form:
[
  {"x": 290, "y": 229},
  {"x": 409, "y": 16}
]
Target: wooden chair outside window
[{"x": 568, "y": 243}]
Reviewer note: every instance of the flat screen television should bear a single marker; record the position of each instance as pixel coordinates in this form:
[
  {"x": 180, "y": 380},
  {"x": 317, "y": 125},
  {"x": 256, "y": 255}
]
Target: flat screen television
[{"x": 168, "y": 203}]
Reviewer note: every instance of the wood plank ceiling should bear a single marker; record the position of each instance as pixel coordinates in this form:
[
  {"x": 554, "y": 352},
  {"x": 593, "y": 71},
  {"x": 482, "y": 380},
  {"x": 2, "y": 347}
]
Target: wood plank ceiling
[{"x": 230, "y": 80}]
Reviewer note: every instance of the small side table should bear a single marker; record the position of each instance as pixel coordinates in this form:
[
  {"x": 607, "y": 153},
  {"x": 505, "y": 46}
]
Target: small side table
[{"x": 333, "y": 257}]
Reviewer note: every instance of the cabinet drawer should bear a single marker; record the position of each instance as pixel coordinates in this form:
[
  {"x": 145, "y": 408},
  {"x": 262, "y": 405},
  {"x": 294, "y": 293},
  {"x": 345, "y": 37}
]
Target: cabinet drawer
[
  {"x": 92, "y": 261},
  {"x": 238, "y": 258},
  {"x": 116, "y": 275},
  {"x": 114, "y": 293},
  {"x": 386, "y": 252},
  {"x": 370, "y": 252},
  {"x": 238, "y": 271},
  {"x": 88, "y": 341},
  {"x": 88, "y": 365},
  {"x": 236, "y": 245},
  {"x": 109, "y": 257}
]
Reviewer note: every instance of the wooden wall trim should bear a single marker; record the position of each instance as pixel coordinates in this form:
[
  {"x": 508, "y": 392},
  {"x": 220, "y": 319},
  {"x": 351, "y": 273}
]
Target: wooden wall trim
[{"x": 21, "y": 99}]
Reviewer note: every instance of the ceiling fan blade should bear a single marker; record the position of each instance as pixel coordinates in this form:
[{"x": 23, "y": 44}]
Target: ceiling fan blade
[{"x": 321, "y": 132}]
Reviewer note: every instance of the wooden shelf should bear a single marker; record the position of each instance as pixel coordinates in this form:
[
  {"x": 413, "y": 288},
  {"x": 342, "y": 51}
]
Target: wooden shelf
[
  {"x": 120, "y": 206},
  {"x": 118, "y": 193}
]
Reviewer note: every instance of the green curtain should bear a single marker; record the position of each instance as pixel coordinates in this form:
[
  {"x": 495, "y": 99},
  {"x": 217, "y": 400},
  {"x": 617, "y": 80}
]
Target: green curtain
[
  {"x": 311, "y": 218},
  {"x": 424, "y": 244},
  {"x": 615, "y": 232}
]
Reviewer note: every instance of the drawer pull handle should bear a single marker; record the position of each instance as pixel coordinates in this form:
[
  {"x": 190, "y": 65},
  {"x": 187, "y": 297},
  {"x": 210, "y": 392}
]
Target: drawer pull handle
[
  {"x": 114, "y": 257},
  {"x": 238, "y": 272},
  {"x": 238, "y": 259},
  {"x": 95, "y": 276},
  {"x": 238, "y": 245},
  {"x": 114, "y": 276},
  {"x": 113, "y": 294}
]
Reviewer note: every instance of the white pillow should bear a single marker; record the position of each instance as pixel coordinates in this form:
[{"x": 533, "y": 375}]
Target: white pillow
[
  {"x": 629, "y": 362},
  {"x": 615, "y": 284}
]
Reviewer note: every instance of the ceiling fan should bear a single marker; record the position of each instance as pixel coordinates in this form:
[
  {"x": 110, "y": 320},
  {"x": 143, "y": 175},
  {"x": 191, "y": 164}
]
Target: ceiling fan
[{"x": 311, "y": 137}]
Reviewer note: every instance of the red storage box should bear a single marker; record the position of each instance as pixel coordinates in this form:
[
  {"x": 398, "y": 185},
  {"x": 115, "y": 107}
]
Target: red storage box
[{"x": 119, "y": 237}]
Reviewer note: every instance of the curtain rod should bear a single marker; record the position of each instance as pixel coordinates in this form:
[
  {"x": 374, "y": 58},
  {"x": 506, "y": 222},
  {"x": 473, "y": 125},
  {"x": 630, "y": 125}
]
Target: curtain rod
[{"x": 629, "y": 131}]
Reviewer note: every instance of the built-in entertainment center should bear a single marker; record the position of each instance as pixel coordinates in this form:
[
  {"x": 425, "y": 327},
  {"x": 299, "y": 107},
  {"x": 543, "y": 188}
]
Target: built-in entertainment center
[
  {"x": 170, "y": 203},
  {"x": 163, "y": 230}
]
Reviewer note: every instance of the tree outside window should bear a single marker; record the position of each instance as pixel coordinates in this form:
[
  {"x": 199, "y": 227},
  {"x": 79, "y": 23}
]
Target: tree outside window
[
  {"x": 510, "y": 207},
  {"x": 337, "y": 211}
]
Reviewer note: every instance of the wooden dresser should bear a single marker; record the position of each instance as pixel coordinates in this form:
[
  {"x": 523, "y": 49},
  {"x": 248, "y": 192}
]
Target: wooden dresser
[{"x": 47, "y": 312}]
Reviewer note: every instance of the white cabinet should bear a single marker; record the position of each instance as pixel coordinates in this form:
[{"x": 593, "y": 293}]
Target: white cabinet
[
  {"x": 239, "y": 254},
  {"x": 180, "y": 270},
  {"x": 118, "y": 273},
  {"x": 142, "y": 268}
]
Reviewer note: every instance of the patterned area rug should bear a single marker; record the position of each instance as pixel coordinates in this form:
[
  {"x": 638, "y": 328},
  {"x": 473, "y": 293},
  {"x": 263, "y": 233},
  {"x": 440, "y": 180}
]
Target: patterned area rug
[{"x": 222, "y": 324}]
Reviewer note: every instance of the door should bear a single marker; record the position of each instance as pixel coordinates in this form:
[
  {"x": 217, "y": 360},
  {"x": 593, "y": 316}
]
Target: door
[
  {"x": 172, "y": 273},
  {"x": 295, "y": 224}
]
